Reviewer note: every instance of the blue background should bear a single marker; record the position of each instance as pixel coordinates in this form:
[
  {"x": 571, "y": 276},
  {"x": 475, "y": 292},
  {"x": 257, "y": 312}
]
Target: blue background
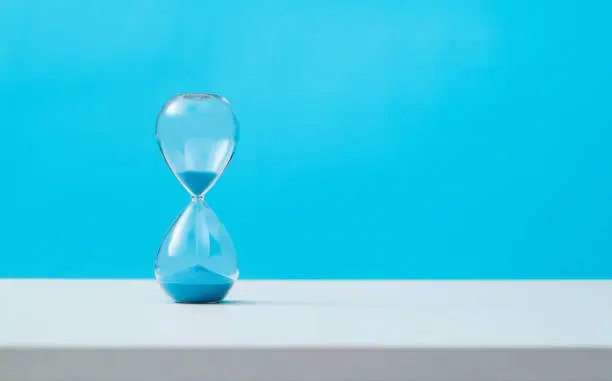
[{"x": 392, "y": 139}]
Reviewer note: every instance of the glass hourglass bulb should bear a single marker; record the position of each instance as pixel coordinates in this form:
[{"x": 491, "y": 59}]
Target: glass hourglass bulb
[{"x": 197, "y": 135}]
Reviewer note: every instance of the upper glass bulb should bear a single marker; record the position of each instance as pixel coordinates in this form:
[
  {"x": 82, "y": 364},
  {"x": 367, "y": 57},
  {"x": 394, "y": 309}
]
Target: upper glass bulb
[{"x": 197, "y": 135}]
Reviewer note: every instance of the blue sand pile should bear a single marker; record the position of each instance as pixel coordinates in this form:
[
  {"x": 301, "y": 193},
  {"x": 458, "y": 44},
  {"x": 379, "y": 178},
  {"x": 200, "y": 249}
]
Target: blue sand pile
[
  {"x": 197, "y": 285},
  {"x": 197, "y": 181}
]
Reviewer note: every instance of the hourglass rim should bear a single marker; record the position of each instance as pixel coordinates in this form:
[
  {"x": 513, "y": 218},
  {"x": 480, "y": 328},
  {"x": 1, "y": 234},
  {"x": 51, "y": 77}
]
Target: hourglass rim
[{"x": 202, "y": 96}]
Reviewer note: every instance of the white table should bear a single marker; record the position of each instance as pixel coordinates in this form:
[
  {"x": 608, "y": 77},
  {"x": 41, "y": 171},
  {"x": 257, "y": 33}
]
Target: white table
[{"x": 126, "y": 330}]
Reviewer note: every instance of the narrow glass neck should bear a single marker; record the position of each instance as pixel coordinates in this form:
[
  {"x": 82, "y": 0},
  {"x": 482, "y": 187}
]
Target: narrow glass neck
[{"x": 200, "y": 198}]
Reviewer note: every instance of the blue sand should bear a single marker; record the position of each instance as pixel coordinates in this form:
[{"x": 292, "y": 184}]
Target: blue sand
[
  {"x": 197, "y": 285},
  {"x": 197, "y": 181}
]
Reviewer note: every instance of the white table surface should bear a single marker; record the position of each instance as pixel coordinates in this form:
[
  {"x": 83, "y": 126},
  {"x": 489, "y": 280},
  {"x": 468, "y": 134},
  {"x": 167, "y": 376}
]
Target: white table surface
[{"x": 127, "y": 330}]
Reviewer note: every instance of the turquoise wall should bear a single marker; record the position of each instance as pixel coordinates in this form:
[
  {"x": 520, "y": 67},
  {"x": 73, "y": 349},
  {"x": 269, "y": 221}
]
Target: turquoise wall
[{"x": 380, "y": 139}]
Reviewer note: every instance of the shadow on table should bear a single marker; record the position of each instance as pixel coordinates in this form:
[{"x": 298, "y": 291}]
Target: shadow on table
[
  {"x": 277, "y": 303},
  {"x": 270, "y": 303}
]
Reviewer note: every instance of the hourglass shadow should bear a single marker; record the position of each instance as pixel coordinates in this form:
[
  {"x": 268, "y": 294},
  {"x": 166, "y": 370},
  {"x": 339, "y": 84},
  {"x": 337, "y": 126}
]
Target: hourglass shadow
[
  {"x": 255, "y": 303},
  {"x": 263, "y": 303},
  {"x": 272, "y": 303},
  {"x": 246, "y": 303}
]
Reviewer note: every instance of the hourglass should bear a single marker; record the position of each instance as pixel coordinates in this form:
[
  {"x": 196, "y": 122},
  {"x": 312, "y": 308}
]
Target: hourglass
[{"x": 197, "y": 135}]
